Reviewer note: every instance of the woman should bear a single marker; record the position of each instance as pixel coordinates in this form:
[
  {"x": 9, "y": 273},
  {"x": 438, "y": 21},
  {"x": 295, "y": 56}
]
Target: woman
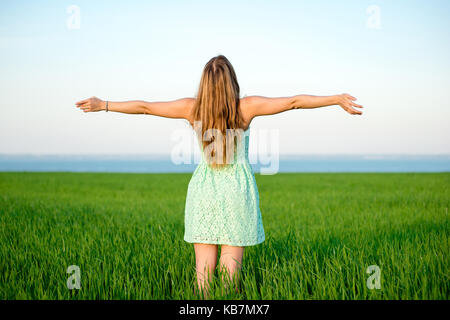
[{"x": 222, "y": 203}]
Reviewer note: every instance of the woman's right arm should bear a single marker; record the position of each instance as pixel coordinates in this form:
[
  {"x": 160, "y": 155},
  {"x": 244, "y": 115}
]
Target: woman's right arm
[
  {"x": 177, "y": 109},
  {"x": 261, "y": 106}
]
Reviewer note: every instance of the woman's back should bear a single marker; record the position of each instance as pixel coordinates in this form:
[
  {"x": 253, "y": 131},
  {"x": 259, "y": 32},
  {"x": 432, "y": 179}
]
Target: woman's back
[
  {"x": 238, "y": 151},
  {"x": 244, "y": 105}
]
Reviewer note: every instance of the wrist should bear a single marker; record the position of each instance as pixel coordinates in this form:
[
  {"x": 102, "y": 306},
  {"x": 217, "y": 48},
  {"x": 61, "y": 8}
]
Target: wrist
[
  {"x": 338, "y": 99},
  {"x": 104, "y": 105}
]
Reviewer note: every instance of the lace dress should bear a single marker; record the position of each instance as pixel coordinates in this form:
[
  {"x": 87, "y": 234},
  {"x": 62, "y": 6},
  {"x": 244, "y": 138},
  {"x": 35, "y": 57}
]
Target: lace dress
[{"x": 222, "y": 205}]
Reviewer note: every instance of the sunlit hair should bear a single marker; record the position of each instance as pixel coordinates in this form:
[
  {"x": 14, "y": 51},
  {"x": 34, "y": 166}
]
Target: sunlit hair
[{"x": 217, "y": 110}]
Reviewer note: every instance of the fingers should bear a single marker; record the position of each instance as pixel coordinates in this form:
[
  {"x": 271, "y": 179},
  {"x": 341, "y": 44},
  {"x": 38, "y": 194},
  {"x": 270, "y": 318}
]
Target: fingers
[
  {"x": 348, "y": 96},
  {"x": 353, "y": 111},
  {"x": 82, "y": 102},
  {"x": 88, "y": 100},
  {"x": 350, "y": 104},
  {"x": 84, "y": 105},
  {"x": 348, "y": 107}
]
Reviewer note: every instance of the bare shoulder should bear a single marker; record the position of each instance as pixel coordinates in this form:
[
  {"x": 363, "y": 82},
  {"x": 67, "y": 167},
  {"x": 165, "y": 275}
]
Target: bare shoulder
[
  {"x": 249, "y": 101},
  {"x": 244, "y": 106},
  {"x": 188, "y": 105},
  {"x": 249, "y": 106},
  {"x": 188, "y": 102}
]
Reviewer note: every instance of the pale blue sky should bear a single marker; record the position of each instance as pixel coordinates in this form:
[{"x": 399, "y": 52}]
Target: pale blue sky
[{"x": 156, "y": 51}]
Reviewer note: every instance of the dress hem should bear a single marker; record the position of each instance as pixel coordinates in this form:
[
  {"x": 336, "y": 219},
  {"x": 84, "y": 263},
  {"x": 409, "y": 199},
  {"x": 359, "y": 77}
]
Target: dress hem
[{"x": 229, "y": 243}]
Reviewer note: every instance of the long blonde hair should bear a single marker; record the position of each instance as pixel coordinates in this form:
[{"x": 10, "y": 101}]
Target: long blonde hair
[{"x": 217, "y": 108}]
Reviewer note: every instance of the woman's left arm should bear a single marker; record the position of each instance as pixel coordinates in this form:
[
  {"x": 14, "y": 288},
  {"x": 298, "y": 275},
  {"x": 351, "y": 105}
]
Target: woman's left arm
[{"x": 177, "y": 109}]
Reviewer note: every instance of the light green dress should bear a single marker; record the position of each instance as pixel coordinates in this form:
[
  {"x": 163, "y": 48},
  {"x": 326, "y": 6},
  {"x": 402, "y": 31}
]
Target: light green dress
[{"x": 222, "y": 205}]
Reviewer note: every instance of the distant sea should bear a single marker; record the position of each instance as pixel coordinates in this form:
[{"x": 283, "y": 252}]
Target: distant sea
[{"x": 163, "y": 163}]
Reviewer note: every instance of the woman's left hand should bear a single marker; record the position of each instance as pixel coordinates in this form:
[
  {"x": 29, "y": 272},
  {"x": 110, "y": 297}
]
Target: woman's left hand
[{"x": 345, "y": 101}]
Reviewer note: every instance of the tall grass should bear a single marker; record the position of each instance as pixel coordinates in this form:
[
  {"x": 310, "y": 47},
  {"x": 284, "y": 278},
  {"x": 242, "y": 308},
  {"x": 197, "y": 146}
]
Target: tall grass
[{"x": 125, "y": 232}]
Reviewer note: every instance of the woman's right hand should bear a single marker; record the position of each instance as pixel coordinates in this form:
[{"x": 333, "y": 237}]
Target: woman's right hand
[
  {"x": 345, "y": 101},
  {"x": 91, "y": 104}
]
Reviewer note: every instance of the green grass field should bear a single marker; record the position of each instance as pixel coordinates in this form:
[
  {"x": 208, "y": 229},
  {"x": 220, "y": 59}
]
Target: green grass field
[{"x": 125, "y": 232}]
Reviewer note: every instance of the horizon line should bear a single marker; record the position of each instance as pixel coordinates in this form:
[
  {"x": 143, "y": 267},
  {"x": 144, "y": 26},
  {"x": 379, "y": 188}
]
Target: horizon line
[{"x": 169, "y": 154}]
